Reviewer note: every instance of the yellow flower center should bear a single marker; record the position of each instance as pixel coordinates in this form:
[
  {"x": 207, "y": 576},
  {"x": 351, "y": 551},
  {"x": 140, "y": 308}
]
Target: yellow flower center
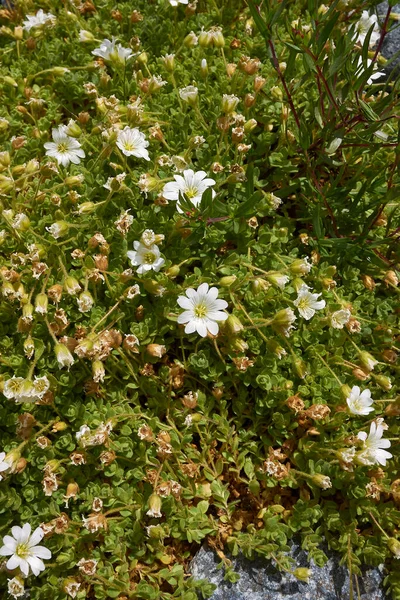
[
  {"x": 129, "y": 146},
  {"x": 191, "y": 192},
  {"x": 200, "y": 311},
  {"x": 149, "y": 258},
  {"x": 62, "y": 148},
  {"x": 22, "y": 550}
]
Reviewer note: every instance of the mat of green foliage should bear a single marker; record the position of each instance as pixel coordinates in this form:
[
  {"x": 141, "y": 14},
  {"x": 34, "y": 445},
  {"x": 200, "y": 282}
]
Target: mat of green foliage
[{"x": 199, "y": 307}]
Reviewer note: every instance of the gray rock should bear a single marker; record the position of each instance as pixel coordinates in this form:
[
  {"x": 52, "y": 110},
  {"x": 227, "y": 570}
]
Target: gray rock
[
  {"x": 391, "y": 43},
  {"x": 260, "y": 580}
]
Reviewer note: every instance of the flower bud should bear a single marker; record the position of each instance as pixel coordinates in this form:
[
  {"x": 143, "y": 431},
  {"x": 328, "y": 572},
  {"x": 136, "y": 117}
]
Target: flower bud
[
  {"x": 86, "y": 208},
  {"x": 391, "y": 279},
  {"x": 63, "y": 355},
  {"x": 190, "y": 40},
  {"x": 345, "y": 390},
  {"x": 29, "y": 347},
  {"x": 204, "y": 68},
  {"x": 154, "y": 506},
  {"x": 368, "y": 282},
  {"x": 299, "y": 367},
  {"x": 73, "y": 180},
  {"x": 394, "y": 546},
  {"x": 233, "y": 325},
  {"x": 86, "y": 36},
  {"x": 300, "y": 266},
  {"x": 98, "y": 371},
  {"x": 227, "y": 281},
  {"x": 173, "y": 271},
  {"x": 322, "y": 481},
  {"x": 389, "y": 356},
  {"x": 250, "y": 125},
  {"x": 368, "y": 361},
  {"x": 75, "y": 131},
  {"x": 169, "y": 62},
  {"x": 5, "y": 159},
  {"x": 383, "y": 382},
  {"x": 58, "y": 229},
  {"x": 71, "y": 286},
  {"x": 156, "y": 350},
  {"x": 41, "y": 303},
  {"x": 302, "y": 574},
  {"x": 249, "y": 100},
  {"x": 59, "y": 71}
]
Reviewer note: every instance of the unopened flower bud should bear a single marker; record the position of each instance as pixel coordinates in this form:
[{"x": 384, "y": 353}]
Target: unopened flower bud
[
  {"x": 156, "y": 350},
  {"x": 322, "y": 481},
  {"x": 302, "y": 574},
  {"x": 368, "y": 282},
  {"x": 190, "y": 40},
  {"x": 169, "y": 62},
  {"x": 204, "y": 68},
  {"x": 368, "y": 361},
  {"x": 394, "y": 546},
  {"x": 98, "y": 371},
  {"x": 383, "y": 382},
  {"x": 227, "y": 281},
  {"x": 41, "y": 303},
  {"x": 250, "y": 125},
  {"x": 233, "y": 325},
  {"x": 71, "y": 286},
  {"x": 154, "y": 506}
]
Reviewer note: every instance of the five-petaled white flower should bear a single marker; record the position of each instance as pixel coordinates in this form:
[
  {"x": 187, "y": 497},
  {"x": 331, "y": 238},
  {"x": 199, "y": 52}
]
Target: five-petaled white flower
[
  {"x": 203, "y": 309},
  {"x": 307, "y": 303},
  {"x": 176, "y": 2},
  {"x": 4, "y": 465},
  {"x": 373, "y": 448},
  {"x": 110, "y": 51},
  {"x": 359, "y": 403},
  {"x": 23, "y": 549},
  {"x": 64, "y": 148},
  {"x": 146, "y": 258},
  {"x": 192, "y": 185},
  {"x": 364, "y": 25},
  {"x": 40, "y": 19},
  {"x": 132, "y": 142}
]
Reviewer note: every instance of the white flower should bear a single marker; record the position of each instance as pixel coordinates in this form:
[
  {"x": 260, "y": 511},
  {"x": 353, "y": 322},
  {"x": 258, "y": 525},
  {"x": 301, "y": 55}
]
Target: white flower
[
  {"x": 359, "y": 403},
  {"x": 64, "y": 148},
  {"x": 202, "y": 310},
  {"x": 41, "y": 18},
  {"x": 145, "y": 258},
  {"x": 83, "y": 431},
  {"x": 189, "y": 94},
  {"x": 41, "y": 385},
  {"x": 132, "y": 142},
  {"x": 192, "y": 185},
  {"x": 364, "y": 25},
  {"x": 64, "y": 356},
  {"x": 112, "y": 52},
  {"x": 176, "y": 2},
  {"x": 373, "y": 452},
  {"x": 15, "y": 587},
  {"x": 375, "y": 74},
  {"x": 12, "y": 387},
  {"x": 3, "y": 464},
  {"x": 307, "y": 303},
  {"x": 278, "y": 279},
  {"x": 24, "y": 551},
  {"x": 340, "y": 318}
]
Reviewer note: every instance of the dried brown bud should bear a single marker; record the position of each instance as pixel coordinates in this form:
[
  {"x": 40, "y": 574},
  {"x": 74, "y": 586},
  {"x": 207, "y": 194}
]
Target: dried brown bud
[{"x": 368, "y": 282}]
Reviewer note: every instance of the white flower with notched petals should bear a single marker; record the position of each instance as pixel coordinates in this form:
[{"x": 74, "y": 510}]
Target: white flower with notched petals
[
  {"x": 307, "y": 303},
  {"x": 15, "y": 587},
  {"x": 4, "y": 465},
  {"x": 340, "y": 318},
  {"x": 39, "y": 20},
  {"x": 64, "y": 148},
  {"x": 132, "y": 142},
  {"x": 146, "y": 258},
  {"x": 203, "y": 310},
  {"x": 373, "y": 451},
  {"x": 23, "y": 550},
  {"x": 110, "y": 51},
  {"x": 364, "y": 25},
  {"x": 192, "y": 185},
  {"x": 359, "y": 403},
  {"x": 12, "y": 387}
]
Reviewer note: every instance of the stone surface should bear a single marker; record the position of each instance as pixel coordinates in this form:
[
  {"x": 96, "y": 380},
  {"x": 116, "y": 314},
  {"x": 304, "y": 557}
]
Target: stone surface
[
  {"x": 260, "y": 580},
  {"x": 391, "y": 43}
]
